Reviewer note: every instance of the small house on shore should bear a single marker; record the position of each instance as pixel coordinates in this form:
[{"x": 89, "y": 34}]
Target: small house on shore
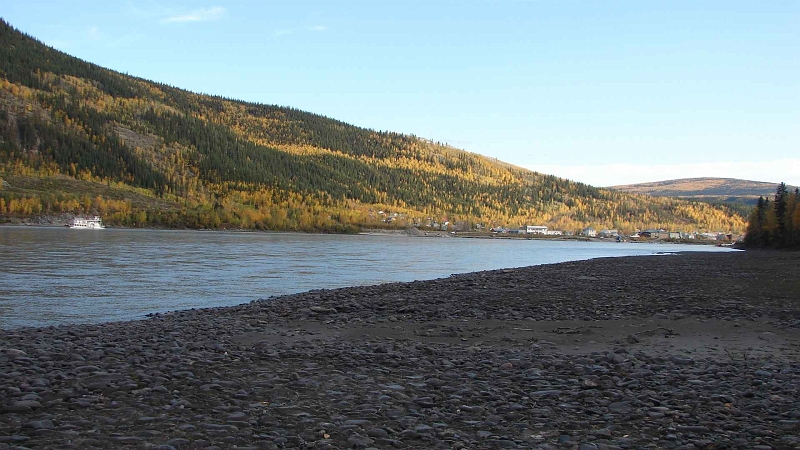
[{"x": 606, "y": 233}]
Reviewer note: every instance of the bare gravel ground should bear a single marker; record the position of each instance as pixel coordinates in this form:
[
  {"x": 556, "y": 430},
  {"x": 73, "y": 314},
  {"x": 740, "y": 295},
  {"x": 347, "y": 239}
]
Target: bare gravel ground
[{"x": 698, "y": 350}]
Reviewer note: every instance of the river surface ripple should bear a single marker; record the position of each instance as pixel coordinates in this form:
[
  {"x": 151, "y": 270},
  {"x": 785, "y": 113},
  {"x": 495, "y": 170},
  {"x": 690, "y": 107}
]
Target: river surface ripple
[{"x": 52, "y": 276}]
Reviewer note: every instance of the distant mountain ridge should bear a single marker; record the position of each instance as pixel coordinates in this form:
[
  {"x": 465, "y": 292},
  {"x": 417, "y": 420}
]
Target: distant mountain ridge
[
  {"x": 76, "y": 138},
  {"x": 738, "y": 195},
  {"x": 702, "y": 187}
]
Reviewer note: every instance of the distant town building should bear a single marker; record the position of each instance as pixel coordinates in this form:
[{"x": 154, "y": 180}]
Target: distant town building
[
  {"x": 718, "y": 236},
  {"x": 589, "y": 231},
  {"x": 606, "y": 233},
  {"x": 653, "y": 233},
  {"x": 536, "y": 229}
]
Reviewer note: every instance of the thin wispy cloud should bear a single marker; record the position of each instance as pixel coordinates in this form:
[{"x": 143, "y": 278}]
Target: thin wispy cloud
[
  {"x": 150, "y": 11},
  {"x": 96, "y": 36},
  {"x": 198, "y": 15},
  {"x": 287, "y": 31},
  {"x": 93, "y": 33},
  {"x": 125, "y": 40}
]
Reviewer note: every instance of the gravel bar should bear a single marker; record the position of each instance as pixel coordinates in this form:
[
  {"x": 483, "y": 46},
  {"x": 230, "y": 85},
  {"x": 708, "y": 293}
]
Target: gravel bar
[{"x": 693, "y": 350}]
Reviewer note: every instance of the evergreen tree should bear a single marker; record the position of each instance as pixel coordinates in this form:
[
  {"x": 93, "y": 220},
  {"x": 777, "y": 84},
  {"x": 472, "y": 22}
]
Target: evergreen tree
[
  {"x": 778, "y": 224},
  {"x": 780, "y": 235},
  {"x": 754, "y": 234},
  {"x": 794, "y": 216}
]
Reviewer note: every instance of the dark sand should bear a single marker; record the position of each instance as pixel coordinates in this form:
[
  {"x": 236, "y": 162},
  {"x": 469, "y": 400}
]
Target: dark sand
[{"x": 698, "y": 350}]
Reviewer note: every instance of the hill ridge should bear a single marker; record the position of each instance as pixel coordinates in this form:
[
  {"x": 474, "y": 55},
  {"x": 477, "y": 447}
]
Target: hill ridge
[{"x": 702, "y": 186}]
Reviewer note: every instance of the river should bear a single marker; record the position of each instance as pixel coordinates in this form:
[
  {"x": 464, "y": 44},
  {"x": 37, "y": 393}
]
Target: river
[{"x": 52, "y": 276}]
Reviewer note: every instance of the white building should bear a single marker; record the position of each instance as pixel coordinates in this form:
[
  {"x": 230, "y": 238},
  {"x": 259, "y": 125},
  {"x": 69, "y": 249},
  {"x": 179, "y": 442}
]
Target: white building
[{"x": 536, "y": 229}]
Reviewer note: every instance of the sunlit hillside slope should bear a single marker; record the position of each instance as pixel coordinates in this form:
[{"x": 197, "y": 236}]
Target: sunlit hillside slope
[{"x": 76, "y": 138}]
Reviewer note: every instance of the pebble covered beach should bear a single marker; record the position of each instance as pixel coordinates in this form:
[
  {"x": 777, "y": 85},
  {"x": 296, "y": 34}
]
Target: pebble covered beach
[{"x": 694, "y": 350}]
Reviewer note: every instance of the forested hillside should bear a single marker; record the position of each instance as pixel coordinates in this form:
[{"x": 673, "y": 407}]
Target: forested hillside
[{"x": 76, "y": 138}]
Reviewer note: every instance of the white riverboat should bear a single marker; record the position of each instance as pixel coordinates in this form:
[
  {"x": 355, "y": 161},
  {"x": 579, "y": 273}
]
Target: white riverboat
[{"x": 94, "y": 223}]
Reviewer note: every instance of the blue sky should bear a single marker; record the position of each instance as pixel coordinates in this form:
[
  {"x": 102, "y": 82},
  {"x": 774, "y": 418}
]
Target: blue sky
[{"x": 601, "y": 92}]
